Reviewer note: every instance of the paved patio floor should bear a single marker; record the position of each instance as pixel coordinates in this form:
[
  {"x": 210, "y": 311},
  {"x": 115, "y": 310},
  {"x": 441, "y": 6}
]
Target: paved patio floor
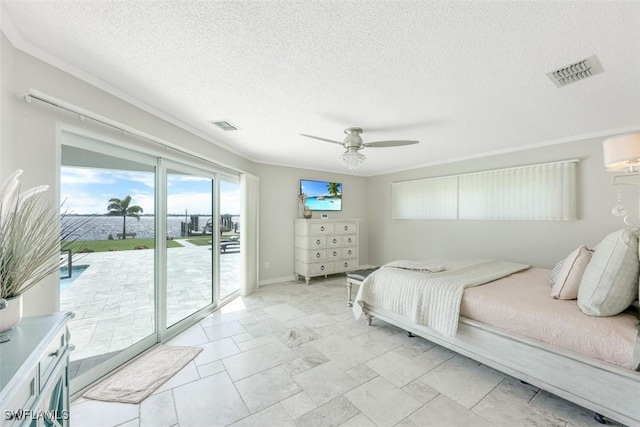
[{"x": 113, "y": 299}]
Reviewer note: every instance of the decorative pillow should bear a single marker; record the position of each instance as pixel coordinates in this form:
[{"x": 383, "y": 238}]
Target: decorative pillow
[
  {"x": 570, "y": 274},
  {"x": 610, "y": 281},
  {"x": 555, "y": 271}
]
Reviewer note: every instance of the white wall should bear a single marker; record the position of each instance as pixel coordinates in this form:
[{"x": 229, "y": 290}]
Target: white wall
[
  {"x": 541, "y": 243},
  {"x": 279, "y": 188},
  {"x": 6, "y": 110}
]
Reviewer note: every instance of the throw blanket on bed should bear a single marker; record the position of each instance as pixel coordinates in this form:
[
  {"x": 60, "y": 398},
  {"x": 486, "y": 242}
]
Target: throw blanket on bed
[
  {"x": 430, "y": 299},
  {"x": 425, "y": 266}
]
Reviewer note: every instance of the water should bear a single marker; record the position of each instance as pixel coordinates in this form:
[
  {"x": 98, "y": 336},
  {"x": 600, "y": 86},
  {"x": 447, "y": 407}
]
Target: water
[
  {"x": 326, "y": 204},
  {"x": 100, "y": 227},
  {"x": 76, "y": 271}
]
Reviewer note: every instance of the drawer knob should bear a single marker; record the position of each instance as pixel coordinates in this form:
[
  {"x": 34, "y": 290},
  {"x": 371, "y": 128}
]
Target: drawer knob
[
  {"x": 317, "y": 254},
  {"x": 335, "y": 241},
  {"x": 322, "y": 267},
  {"x": 54, "y": 353},
  {"x": 318, "y": 242},
  {"x": 346, "y": 264},
  {"x": 346, "y": 228},
  {"x": 349, "y": 239},
  {"x": 349, "y": 251},
  {"x": 322, "y": 228},
  {"x": 335, "y": 253}
]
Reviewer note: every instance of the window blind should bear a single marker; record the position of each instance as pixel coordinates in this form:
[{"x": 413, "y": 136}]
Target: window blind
[
  {"x": 537, "y": 192},
  {"x": 534, "y": 192},
  {"x": 434, "y": 198}
]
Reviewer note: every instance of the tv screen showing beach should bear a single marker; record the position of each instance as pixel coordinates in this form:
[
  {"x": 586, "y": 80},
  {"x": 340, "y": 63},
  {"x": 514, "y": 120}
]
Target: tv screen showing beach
[{"x": 322, "y": 195}]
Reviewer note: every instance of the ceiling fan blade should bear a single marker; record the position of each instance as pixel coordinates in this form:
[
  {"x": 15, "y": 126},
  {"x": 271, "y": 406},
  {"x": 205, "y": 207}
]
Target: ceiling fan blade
[
  {"x": 380, "y": 144},
  {"x": 322, "y": 139}
]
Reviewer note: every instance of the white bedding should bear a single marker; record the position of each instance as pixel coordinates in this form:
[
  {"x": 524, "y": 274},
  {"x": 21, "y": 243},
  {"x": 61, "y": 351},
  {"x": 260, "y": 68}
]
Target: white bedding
[
  {"x": 430, "y": 299},
  {"x": 424, "y": 266}
]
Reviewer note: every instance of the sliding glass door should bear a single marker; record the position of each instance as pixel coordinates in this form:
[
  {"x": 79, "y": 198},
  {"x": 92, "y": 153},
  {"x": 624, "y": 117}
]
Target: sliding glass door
[
  {"x": 190, "y": 268},
  {"x": 109, "y": 276},
  {"x": 159, "y": 249},
  {"x": 230, "y": 249}
]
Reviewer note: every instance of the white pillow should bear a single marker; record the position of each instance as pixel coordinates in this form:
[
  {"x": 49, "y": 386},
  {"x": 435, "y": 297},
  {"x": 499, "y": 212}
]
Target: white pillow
[
  {"x": 610, "y": 281},
  {"x": 555, "y": 271},
  {"x": 568, "y": 279}
]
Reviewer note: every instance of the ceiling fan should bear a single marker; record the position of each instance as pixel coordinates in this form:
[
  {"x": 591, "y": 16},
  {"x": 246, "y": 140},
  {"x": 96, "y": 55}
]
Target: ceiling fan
[{"x": 352, "y": 158}]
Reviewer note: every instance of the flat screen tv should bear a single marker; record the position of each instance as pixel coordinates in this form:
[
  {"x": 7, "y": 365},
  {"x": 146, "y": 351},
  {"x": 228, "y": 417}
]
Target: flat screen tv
[{"x": 322, "y": 195}]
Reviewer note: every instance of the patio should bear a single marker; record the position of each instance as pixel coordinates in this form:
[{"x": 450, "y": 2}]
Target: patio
[{"x": 113, "y": 299}]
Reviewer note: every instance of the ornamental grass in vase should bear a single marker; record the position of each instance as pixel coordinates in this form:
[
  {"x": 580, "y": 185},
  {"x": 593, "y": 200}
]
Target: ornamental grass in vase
[{"x": 30, "y": 240}]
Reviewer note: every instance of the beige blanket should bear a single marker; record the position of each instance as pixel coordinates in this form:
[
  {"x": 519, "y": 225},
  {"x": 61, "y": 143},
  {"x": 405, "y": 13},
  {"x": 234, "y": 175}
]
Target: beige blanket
[
  {"x": 522, "y": 305},
  {"x": 430, "y": 299}
]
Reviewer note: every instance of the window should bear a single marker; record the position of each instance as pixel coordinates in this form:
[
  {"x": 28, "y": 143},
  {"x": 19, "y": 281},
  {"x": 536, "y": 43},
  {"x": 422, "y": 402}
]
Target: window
[
  {"x": 536, "y": 192},
  {"x": 434, "y": 198}
]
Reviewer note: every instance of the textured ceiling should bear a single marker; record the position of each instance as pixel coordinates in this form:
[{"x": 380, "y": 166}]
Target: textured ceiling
[{"x": 465, "y": 78}]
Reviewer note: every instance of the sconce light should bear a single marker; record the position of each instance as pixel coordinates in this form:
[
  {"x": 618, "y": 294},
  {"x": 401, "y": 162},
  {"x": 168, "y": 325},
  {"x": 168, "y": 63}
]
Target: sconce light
[{"x": 622, "y": 153}]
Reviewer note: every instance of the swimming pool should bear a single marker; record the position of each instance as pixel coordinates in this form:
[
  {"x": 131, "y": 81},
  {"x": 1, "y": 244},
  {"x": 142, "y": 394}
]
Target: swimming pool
[{"x": 76, "y": 271}]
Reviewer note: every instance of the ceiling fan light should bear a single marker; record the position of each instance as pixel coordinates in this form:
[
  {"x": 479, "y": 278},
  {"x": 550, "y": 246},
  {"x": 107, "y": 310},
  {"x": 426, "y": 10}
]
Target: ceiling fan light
[{"x": 352, "y": 159}]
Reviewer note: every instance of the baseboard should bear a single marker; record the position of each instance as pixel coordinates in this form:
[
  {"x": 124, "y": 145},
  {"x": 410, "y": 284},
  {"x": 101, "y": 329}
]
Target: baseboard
[{"x": 276, "y": 280}]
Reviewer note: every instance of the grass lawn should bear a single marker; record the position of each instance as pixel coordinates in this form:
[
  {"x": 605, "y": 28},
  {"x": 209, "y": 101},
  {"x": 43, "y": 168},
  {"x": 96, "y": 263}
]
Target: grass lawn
[
  {"x": 206, "y": 240},
  {"x": 200, "y": 240},
  {"x": 116, "y": 245}
]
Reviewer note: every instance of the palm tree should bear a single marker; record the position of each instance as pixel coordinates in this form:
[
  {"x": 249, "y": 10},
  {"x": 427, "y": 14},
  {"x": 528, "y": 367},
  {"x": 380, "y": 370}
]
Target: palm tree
[
  {"x": 121, "y": 208},
  {"x": 332, "y": 188}
]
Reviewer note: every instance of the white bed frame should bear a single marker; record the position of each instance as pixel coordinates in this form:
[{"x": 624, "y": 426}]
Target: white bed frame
[{"x": 602, "y": 387}]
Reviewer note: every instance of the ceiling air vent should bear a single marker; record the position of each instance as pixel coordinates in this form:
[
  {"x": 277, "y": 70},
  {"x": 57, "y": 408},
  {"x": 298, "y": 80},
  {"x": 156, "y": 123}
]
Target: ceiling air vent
[
  {"x": 577, "y": 71},
  {"x": 224, "y": 125}
]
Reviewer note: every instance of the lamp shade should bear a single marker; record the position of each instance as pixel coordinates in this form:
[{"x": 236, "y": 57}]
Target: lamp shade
[{"x": 622, "y": 152}]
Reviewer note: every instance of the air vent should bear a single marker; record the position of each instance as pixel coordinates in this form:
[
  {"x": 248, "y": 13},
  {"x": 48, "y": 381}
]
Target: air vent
[
  {"x": 574, "y": 72},
  {"x": 224, "y": 125}
]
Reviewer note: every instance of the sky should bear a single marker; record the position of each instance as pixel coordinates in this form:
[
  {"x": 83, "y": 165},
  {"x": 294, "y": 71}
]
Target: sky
[
  {"x": 315, "y": 188},
  {"x": 88, "y": 190}
]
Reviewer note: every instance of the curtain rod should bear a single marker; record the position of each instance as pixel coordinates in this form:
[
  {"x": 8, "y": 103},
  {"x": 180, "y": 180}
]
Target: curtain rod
[{"x": 86, "y": 114}]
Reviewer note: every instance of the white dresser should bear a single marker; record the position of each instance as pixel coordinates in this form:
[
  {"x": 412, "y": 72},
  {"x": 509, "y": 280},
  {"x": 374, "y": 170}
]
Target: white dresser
[
  {"x": 325, "y": 246},
  {"x": 34, "y": 378}
]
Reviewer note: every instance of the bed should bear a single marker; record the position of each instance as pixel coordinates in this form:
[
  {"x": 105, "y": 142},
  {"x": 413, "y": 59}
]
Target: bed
[{"x": 513, "y": 325}]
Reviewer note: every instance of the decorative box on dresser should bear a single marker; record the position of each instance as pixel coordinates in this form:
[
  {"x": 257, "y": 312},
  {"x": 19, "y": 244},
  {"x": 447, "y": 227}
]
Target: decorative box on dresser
[
  {"x": 34, "y": 374},
  {"x": 325, "y": 246}
]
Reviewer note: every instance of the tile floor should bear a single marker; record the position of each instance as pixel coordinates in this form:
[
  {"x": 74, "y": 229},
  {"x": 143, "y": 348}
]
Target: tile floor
[
  {"x": 293, "y": 355},
  {"x": 113, "y": 299}
]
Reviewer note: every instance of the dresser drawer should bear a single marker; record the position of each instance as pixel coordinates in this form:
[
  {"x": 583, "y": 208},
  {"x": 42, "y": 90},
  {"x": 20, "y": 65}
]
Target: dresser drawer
[
  {"x": 345, "y": 227},
  {"x": 320, "y": 229},
  {"x": 351, "y": 240},
  {"x": 346, "y": 265},
  {"x": 311, "y": 242},
  {"x": 311, "y": 256},
  {"x": 322, "y": 268},
  {"x": 349, "y": 253},
  {"x": 334, "y": 253},
  {"x": 51, "y": 357},
  {"x": 334, "y": 241},
  {"x": 23, "y": 398}
]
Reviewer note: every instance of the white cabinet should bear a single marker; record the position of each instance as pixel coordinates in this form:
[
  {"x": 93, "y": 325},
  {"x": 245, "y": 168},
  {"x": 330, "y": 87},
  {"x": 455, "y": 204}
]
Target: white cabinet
[
  {"x": 34, "y": 379},
  {"x": 325, "y": 246}
]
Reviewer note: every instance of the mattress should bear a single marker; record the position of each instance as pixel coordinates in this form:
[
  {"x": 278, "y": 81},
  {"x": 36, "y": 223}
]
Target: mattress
[{"x": 521, "y": 304}]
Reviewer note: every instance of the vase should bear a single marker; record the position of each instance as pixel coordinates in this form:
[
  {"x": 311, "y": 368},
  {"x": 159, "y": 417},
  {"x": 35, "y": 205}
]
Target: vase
[
  {"x": 307, "y": 212},
  {"x": 10, "y": 315},
  {"x": 301, "y": 210}
]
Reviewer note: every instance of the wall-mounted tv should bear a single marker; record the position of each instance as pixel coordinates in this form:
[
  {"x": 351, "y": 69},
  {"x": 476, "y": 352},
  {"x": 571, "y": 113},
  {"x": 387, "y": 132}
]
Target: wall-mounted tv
[{"x": 322, "y": 195}]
